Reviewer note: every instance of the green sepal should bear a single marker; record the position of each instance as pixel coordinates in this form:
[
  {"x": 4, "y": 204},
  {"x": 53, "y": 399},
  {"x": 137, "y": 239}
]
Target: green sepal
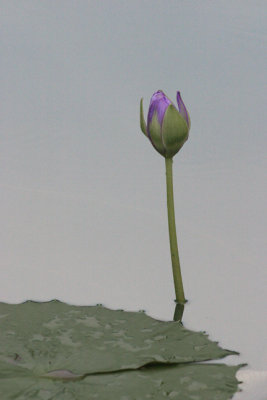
[
  {"x": 189, "y": 121},
  {"x": 174, "y": 131},
  {"x": 156, "y": 135},
  {"x": 142, "y": 119}
]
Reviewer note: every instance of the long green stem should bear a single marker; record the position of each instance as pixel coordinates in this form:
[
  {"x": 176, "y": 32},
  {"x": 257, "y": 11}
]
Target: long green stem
[{"x": 176, "y": 269}]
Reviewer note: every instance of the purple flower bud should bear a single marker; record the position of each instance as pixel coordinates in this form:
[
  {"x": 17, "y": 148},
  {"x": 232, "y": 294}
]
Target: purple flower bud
[
  {"x": 167, "y": 128},
  {"x": 158, "y": 104}
]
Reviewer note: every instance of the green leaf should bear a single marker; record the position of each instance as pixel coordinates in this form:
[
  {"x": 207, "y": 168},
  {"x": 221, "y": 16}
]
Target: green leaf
[{"x": 57, "y": 351}]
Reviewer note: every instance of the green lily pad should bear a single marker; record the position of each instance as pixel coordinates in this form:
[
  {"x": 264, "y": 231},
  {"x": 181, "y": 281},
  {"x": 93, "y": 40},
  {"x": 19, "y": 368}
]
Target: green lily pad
[
  {"x": 57, "y": 351},
  {"x": 180, "y": 382},
  {"x": 44, "y": 337}
]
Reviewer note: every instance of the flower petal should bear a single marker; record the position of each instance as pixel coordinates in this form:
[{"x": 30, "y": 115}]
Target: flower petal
[{"x": 158, "y": 103}]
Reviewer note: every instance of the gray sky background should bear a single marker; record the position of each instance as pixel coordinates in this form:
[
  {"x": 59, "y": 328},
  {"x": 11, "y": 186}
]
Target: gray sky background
[{"x": 83, "y": 207}]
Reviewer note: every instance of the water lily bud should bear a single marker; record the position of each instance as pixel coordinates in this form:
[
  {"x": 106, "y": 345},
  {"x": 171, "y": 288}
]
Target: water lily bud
[{"x": 167, "y": 128}]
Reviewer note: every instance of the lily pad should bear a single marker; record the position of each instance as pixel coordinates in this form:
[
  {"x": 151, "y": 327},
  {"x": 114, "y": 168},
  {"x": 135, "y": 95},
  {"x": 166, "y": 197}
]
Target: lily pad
[
  {"x": 44, "y": 337},
  {"x": 57, "y": 351},
  {"x": 180, "y": 382}
]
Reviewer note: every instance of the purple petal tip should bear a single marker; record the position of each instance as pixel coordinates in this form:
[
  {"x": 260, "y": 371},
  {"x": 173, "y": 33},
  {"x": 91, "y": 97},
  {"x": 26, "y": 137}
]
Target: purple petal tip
[{"x": 158, "y": 103}]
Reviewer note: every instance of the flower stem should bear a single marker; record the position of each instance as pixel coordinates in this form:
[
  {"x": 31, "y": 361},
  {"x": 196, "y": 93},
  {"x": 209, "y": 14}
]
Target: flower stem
[{"x": 176, "y": 269}]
